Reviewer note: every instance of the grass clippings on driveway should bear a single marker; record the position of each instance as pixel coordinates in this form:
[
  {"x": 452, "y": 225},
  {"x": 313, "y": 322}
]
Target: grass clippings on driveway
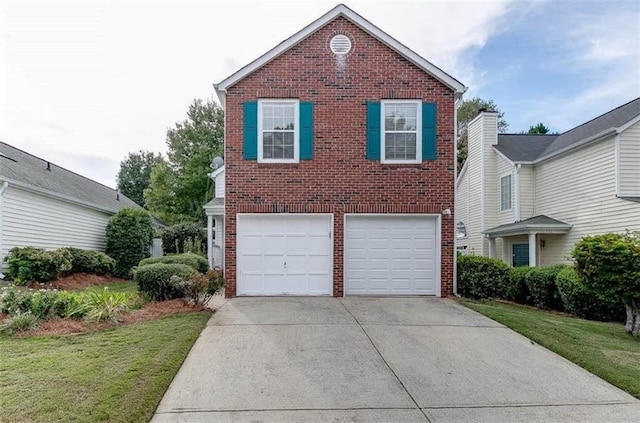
[
  {"x": 604, "y": 349},
  {"x": 115, "y": 375}
]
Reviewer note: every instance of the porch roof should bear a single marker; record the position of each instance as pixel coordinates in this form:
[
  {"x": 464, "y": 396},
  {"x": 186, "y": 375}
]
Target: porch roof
[
  {"x": 214, "y": 207},
  {"x": 538, "y": 224}
]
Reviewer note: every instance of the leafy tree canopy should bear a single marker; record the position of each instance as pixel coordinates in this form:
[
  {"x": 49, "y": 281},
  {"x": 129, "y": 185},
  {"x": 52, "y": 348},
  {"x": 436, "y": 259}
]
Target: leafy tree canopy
[
  {"x": 134, "y": 175},
  {"x": 540, "y": 128},
  {"x": 467, "y": 111}
]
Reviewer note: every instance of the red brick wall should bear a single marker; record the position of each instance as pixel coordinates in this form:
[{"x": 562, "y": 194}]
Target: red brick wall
[{"x": 339, "y": 179}]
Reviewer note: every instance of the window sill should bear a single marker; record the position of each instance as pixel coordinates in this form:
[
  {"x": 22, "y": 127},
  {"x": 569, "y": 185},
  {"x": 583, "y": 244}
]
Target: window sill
[
  {"x": 283, "y": 165},
  {"x": 404, "y": 165}
]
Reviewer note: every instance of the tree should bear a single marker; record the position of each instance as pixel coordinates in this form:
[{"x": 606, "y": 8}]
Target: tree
[
  {"x": 609, "y": 265},
  {"x": 160, "y": 196},
  {"x": 129, "y": 235},
  {"x": 134, "y": 175},
  {"x": 538, "y": 129},
  {"x": 467, "y": 111}
]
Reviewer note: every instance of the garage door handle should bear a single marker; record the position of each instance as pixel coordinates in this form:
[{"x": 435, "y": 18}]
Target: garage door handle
[{"x": 285, "y": 264}]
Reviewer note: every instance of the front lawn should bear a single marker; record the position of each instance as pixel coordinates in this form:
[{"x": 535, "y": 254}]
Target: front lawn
[
  {"x": 604, "y": 349},
  {"x": 115, "y": 375}
]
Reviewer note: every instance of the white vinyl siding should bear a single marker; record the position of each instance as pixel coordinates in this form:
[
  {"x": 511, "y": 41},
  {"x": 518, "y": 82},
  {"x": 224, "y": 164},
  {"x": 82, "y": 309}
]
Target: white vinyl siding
[
  {"x": 629, "y": 162},
  {"x": 473, "y": 179},
  {"x": 526, "y": 178},
  {"x": 219, "y": 185},
  {"x": 462, "y": 208},
  {"x": 579, "y": 189},
  {"x": 30, "y": 219},
  {"x": 401, "y": 131},
  {"x": 504, "y": 198}
]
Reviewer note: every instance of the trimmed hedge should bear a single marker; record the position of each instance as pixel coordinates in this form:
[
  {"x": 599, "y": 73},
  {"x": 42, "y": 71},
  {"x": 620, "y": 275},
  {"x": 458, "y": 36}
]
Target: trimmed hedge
[
  {"x": 35, "y": 264},
  {"x": 482, "y": 277},
  {"x": 518, "y": 290},
  {"x": 197, "y": 262},
  {"x": 129, "y": 235},
  {"x": 86, "y": 261},
  {"x": 155, "y": 280},
  {"x": 542, "y": 286},
  {"x": 578, "y": 300}
]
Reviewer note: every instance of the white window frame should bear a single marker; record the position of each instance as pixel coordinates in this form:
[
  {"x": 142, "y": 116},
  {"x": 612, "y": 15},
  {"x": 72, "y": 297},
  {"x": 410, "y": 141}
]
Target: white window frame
[
  {"x": 418, "y": 104},
  {"x": 464, "y": 227},
  {"x": 296, "y": 131},
  {"x": 510, "y": 192}
]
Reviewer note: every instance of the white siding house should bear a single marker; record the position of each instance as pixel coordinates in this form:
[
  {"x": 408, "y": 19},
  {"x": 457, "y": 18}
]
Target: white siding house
[
  {"x": 585, "y": 181},
  {"x": 214, "y": 210},
  {"x": 46, "y": 206}
]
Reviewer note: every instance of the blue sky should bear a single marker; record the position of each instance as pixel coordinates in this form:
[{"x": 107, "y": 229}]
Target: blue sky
[{"x": 84, "y": 82}]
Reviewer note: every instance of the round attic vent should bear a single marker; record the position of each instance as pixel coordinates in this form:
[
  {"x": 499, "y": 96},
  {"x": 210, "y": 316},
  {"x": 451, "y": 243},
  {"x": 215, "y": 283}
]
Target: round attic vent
[{"x": 340, "y": 44}]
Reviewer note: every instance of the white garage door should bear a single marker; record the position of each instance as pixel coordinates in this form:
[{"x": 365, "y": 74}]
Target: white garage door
[
  {"x": 284, "y": 255},
  {"x": 391, "y": 255}
]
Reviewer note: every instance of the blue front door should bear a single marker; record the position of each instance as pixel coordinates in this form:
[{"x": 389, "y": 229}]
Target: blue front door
[{"x": 520, "y": 255}]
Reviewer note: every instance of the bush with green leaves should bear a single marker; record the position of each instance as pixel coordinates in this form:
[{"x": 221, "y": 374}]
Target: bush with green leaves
[
  {"x": 154, "y": 280},
  {"x": 542, "y": 287},
  {"x": 198, "y": 288},
  {"x": 106, "y": 305},
  {"x": 129, "y": 235},
  {"x": 582, "y": 302},
  {"x": 87, "y": 261},
  {"x": 18, "y": 323},
  {"x": 27, "y": 264},
  {"x": 482, "y": 277},
  {"x": 609, "y": 265},
  {"x": 518, "y": 290},
  {"x": 198, "y": 263},
  {"x": 184, "y": 237}
]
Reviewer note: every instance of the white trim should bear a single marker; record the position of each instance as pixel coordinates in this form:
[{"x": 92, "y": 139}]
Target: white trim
[
  {"x": 296, "y": 130},
  {"x": 482, "y": 176},
  {"x": 503, "y": 156},
  {"x": 500, "y": 177},
  {"x": 462, "y": 171},
  {"x": 340, "y": 10},
  {"x": 438, "y": 242},
  {"x": 616, "y": 163},
  {"x": 216, "y": 172},
  {"x": 3, "y": 188},
  {"x": 517, "y": 191},
  {"x": 418, "y": 131},
  {"x": 627, "y": 125},
  {"x": 601, "y": 136},
  {"x": 331, "y": 243},
  {"x": 455, "y": 190}
]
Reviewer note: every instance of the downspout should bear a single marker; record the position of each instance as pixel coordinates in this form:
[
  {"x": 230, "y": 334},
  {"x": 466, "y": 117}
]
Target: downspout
[
  {"x": 455, "y": 193},
  {"x": 3, "y": 188},
  {"x": 517, "y": 191}
]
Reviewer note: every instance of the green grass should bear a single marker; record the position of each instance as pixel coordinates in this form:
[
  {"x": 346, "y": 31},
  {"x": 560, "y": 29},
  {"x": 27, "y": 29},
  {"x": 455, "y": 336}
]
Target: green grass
[
  {"x": 116, "y": 375},
  {"x": 126, "y": 286},
  {"x": 604, "y": 349}
]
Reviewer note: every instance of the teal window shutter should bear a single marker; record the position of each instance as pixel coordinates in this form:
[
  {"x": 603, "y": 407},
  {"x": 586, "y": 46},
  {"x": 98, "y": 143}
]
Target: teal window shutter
[
  {"x": 373, "y": 131},
  {"x": 250, "y": 130},
  {"x": 306, "y": 130},
  {"x": 428, "y": 131}
]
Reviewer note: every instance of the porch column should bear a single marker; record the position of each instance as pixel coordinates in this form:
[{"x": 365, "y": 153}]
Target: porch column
[
  {"x": 532, "y": 249},
  {"x": 492, "y": 247},
  {"x": 210, "y": 240}
]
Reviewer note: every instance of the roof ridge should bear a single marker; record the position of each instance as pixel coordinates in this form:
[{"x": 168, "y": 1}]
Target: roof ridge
[{"x": 62, "y": 168}]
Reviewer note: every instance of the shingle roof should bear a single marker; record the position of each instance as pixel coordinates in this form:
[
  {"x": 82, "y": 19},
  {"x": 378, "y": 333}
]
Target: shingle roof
[
  {"x": 21, "y": 167},
  {"x": 527, "y": 148},
  {"x": 541, "y": 222}
]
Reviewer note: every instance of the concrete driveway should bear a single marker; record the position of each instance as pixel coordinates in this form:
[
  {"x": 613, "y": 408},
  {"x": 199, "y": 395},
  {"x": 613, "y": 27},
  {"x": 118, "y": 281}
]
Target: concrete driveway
[{"x": 378, "y": 360}]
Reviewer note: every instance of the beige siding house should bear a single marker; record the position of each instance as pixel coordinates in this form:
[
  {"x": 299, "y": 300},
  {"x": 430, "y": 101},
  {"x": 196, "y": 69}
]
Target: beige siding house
[
  {"x": 527, "y": 199},
  {"x": 44, "y": 205}
]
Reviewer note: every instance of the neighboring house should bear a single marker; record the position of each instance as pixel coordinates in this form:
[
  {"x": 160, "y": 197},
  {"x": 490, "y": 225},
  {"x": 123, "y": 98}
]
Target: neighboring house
[
  {"x": 340, "y": 167},
  {"x": 44, "y": 205},
  {"x": 527, "y": 199},
  {"x": 214, "y": 210}
]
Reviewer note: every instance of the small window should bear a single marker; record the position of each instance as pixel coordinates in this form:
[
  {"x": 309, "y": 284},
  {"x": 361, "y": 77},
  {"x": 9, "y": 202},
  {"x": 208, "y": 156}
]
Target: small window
[
  {"x": 505, "y": 193},
  {"x": 278, "y": 131},
  {"x": 401, "y": 134},
  {"x": 461, "y": 231}
]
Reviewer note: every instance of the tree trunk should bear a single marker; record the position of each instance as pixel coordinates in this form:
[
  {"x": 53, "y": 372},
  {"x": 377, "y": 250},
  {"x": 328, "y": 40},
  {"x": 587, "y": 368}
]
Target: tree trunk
[
  {"x": 628, "y": 327},
  {"x": 635, "y": 312}
]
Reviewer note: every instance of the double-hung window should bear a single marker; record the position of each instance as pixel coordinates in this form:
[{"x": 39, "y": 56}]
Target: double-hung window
[
  {"x": 278, "y": 131},
  {"x": 401, "y": 122},
  {"x": 505, "y": 193}
]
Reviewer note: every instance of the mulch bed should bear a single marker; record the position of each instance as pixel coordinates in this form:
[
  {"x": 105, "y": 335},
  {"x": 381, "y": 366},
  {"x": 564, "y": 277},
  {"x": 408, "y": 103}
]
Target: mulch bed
[{"x": 75, "y": 282}]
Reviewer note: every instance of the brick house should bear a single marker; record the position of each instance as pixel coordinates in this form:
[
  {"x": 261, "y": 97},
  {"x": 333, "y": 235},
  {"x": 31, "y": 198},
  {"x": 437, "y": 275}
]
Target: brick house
[{"x": 339, "y": 167}]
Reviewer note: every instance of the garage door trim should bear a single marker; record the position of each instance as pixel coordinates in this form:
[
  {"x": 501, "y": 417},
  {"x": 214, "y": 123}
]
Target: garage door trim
[
  {"x": 438, "y": 245},
  {"x": 239, "y": 217}
]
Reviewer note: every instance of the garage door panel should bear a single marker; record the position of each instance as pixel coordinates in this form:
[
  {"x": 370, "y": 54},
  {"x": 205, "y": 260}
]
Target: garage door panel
[
  {"x": 390, "y": 255},
  {"x": 284, "y": 255}
]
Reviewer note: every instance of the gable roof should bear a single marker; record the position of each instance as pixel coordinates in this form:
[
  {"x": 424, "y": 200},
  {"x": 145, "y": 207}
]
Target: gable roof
[
  {"x": 530, "y": 148},
  {"x": 541, "y": 223},
  {"x": 28, "y": 171},
  {"x": 371, "y": 29}
]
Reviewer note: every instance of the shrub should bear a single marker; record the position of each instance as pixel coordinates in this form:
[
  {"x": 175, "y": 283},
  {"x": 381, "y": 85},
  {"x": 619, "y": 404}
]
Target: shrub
[
  {"x": 86, "y": 261},
  {"x": 542, "y": 286},
  {"x": 518, "y": 290},
  {"x": 481, "y": 277},
  {"x": 198, "y": 263},
  {"x": 35, "y": 264},
  {"x": 155, "y": 280},
  {"x": 19, "y": 322},
  {"x": 198, "y": 288},
  {"x": 609, "y": 265},
  {"x": 43, "y": 303},
  {"x": 129, "y": 234},
  {"x": 578, "y": 300},
  {"x": 184, "y": 237}
]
